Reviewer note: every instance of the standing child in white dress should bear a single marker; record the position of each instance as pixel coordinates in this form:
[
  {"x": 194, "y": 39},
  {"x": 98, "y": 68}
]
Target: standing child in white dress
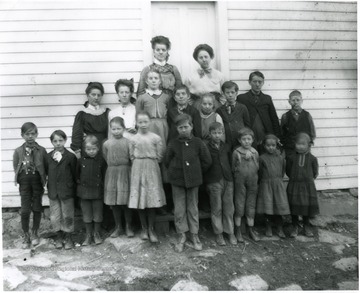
[
  {"x": 116, "y": 152},
  {"x": 127, "y": 111},
  {"x": 147, "y": 193}
]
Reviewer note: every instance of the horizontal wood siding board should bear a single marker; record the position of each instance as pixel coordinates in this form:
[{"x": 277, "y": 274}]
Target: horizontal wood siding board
[{"x": 312, "y": 47}]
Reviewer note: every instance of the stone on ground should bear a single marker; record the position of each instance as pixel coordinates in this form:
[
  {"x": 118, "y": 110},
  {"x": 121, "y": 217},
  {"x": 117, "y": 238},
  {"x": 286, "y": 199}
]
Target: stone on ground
[
  {"x": 133, "y": 273},
  {"x": 206, "y": 253},
  {"x": 346, "y": 264},
  {"x": 58, "y": 283},
  {"x": 334, "y": 238},
  {"x": 302, "y": 238},
  {"x": 291, "y": 287},
  {"x": 249, "y": 283},
  {"x": 338, "y": 248},
  {"x": 13, "y": 277},
  {"x": 51, "y": 288},
  {"x": 349, "y": 285},
  {"x": 71, "y": 275},
  {"x": 354, "y": 192},
  {"x": 125, "y": 244},
  {"x": 32, "y": 261},
  {"x": 188, "y": 285}
]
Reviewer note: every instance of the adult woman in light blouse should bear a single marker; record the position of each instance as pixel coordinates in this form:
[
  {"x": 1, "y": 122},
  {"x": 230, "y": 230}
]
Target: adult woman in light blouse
[{"x": 205, "y": 79}]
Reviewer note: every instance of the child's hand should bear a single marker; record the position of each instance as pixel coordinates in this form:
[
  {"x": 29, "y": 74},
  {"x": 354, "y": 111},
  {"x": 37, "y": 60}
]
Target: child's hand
[{"x": 78, "y": 154}]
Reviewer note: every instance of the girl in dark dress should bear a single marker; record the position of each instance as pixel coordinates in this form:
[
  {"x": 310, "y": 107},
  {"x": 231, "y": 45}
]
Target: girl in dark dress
[{"x": 302, "y": 169}]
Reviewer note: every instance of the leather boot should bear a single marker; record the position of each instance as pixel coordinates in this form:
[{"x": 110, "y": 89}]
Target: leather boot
[
  {"x": 253, "y": 234},
  {"x": 88, "y": 240},
  {"x": 69, "y": 244},
  {"x": 179, "y": 247},
  {"x": 35, "y": 238},
  {"x": 59, "y": 240},
  {"x": 152, "y": 235},
  {"x": 268, "y": 231},
  {"x": 280, "y": 231},
  {"x": 238, "y": 234},
  {"x": 117, "y": 232},
  {"x": 220, "y": 240},
  {"x": 129, "y": 231},
  {"x": 144, "y": 234},
  {"x": 196, "y": 241},
  {"x": 232, "y": 239},
  {"x": 26, "y": 241}
]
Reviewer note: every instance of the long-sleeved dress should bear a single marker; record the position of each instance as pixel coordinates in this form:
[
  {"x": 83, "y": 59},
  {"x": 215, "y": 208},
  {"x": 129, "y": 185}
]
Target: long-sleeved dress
[
  {"x": 302, "y": 170},
  {"x": 157, "y": 107},
  {"x": 146, "y": 152},
  {"x": 87, "y": 122},
  {"x": 117, "y": 179},
  {"x": 272, "y": 198}
]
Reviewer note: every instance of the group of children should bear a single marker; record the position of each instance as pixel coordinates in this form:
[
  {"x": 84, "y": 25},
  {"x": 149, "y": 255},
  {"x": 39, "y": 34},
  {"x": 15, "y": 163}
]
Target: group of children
[{"x": 181, "y": 146}]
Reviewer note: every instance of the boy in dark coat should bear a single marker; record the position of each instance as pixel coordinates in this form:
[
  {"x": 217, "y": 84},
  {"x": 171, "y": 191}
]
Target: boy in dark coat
[
  {"x": 263, "y": 117},
  {"x": 186, "y": 158},
  {"x": 91, "y": 171},
  {"x": 220, "y": 186},
  {"x": 295, "y": 121},
  {"x": 234, "y": 115}
]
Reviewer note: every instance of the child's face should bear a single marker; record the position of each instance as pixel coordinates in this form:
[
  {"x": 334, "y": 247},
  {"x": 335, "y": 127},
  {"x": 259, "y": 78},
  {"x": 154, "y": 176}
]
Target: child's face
[
  {"x": 160, "y": 52},
  {"x": 181, "y": 97},
  {"x": 124, "y": 94},
  {"x": 117, "y": 130},
  {"x": 216, "y": 135},
  {"x": 91, "y": 150},
  {"x": 230, "y": 95},
  {"x": 256, "y": 83},
  {"x": 246, "y": 141},
  {"x": 143, "y": 122},
  {"x": 207, "y": 105},
  {"x": 153, "y": 81},
  {"x": 184, "y": 129},
  {"x": 295, "y": 102},
  {"x": 30, "y": 136},
  {"x": 302, "y": 145},
  {"x": 58, "y": 142},
  {"x": 204, "y": 59},
  {"x": 94, "y": 97},
  {"x": 270, "y": 146}
]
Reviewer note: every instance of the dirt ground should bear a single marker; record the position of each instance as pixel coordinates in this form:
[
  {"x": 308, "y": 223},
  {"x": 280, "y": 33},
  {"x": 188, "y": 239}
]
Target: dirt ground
[{"x": 301, "y": 261}]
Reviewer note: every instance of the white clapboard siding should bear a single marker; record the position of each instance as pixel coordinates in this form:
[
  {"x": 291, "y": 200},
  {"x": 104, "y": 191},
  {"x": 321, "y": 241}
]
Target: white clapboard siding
[
  {"x": 312, "y": 47},
  {"x": 49, "y": 51}
]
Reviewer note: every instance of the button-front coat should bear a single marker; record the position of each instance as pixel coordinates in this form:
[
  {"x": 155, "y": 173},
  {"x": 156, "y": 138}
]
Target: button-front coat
[
  {"x": 62, "y": 176},
  {"x": 187, "y": 159},
  {"x": 90, "y": 174}
]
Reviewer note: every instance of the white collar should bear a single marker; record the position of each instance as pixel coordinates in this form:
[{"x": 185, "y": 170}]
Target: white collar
[
  {"x": 161, "y": 63},
  {"x": 93, "y": 108},
  {"x": 156, "y": 92}
]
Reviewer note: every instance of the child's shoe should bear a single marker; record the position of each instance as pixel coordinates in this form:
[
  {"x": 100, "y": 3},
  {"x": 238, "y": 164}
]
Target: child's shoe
[
  {"x": 232, "y": 239},
  {"x": 238, "y": 234},
  {"x": 152, "y": 235},
  {"x": 69, "y": 244},
  {"x": 117, "y": 232},
  {"x": 179, "y": 247},
  {"x": 280, "y": 232},
  {"x": 35, "y": 238},
  {"x": 308, "y": 231},
  {"x": 144, "y": 234},
  {"x": 268, "y": 231},
  {"x": 26, "y": 241},
  {"x": 220, "y": 240},
  {"x": 295, "y": 231},
  {"x": 97, "y": 238},
  {"x": 59, "y": 240},
  {"x": 88, "y": 240},
  {"x": 196, "y": 241},
  {"x": 129, "y": 231},
  {"x": 253, "y": 234}
]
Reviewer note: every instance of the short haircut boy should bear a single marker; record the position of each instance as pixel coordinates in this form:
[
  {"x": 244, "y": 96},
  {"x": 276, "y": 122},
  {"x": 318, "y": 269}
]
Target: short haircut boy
[
  {"x": 27, "y": 127},
  {"x": 256, "y": 73},
  {"x": 245, "y": 131},
  {"x": 295, "y": 93},
  {"x": 58, "y": 132},
  {"x": 183, "y": 87},
  {"x": 182, "y": 119},
  {"x": 216, "y": 126},
  {"x": 228, "y": 85},
  {"x": 92, "y": 140}
]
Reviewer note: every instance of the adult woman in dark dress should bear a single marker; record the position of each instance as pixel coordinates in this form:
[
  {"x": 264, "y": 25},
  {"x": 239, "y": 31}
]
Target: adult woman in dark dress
[{"x": 93, "y": 119}]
